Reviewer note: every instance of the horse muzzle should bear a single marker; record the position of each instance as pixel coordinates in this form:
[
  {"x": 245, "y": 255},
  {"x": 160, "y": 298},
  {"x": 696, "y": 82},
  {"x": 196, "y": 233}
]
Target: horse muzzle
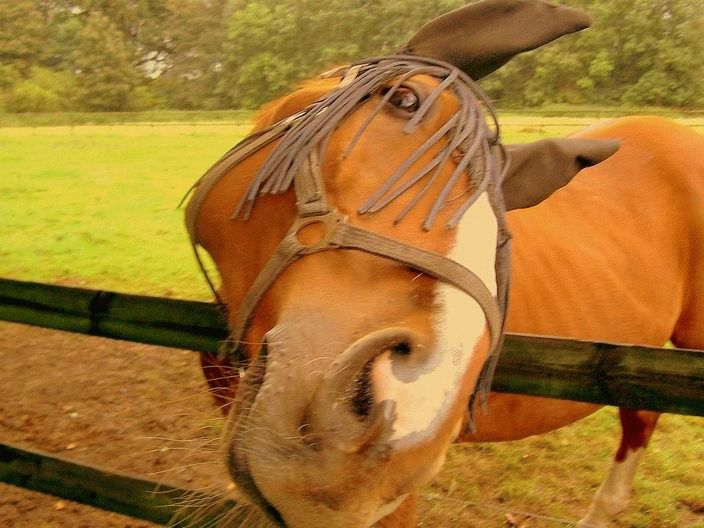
[{"x": 308, "y": 436}]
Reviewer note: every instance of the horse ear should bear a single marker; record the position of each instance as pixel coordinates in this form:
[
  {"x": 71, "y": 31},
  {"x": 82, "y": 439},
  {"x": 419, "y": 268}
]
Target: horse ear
[
  {"x": 539, "y": 169},
  {"x": 482, "y": 37}
]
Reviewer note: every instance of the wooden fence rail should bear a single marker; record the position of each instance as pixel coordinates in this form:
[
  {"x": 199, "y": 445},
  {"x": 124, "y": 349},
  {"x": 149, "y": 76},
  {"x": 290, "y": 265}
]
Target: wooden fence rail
[
  {"x": 107, "y": 489},
  {"x": 657, "y": 379},
  {"x": 180, "y": 324}
]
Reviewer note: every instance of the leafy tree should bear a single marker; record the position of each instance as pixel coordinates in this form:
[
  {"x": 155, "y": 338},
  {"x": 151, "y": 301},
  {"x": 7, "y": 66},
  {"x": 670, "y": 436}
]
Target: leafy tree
[
  {"x": 274, "y": 44},
  {"x": 105, "y": 74},
  {"x": 45, "y": 90},
  {"x": 138, "y": 21},
  {"x": 22, "y": 39},
  {"x": 28, "y": 96},
  {"x": 63, "y": 25},
  {"x": 188, "y": 75},
  {"x": 121, "y": 54},
  {"x": 637, "y": 52},
  {"x": 144, "y": 98}
]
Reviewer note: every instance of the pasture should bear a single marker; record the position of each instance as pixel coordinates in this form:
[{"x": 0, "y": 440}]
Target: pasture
[{"x": 95, "y": 206}]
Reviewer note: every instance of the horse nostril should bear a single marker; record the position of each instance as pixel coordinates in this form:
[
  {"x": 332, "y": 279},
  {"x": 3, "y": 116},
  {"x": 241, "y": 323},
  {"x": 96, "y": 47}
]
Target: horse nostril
[
  {"x": 363, "y": 398},
  {"x": 344, "y": 409},
  {"x": 401, "y": 349}
]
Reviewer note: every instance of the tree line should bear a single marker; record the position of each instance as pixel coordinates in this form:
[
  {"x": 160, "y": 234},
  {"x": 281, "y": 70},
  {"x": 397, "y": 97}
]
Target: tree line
[{"x": 121, "y": 55}]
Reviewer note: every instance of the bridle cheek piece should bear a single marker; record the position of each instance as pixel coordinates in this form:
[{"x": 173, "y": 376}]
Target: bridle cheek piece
[{"x": 339, "y": 233}]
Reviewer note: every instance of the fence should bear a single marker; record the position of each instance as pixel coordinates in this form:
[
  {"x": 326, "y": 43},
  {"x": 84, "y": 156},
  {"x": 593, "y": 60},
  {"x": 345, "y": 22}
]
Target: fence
[{"x": 664, "y": 380}]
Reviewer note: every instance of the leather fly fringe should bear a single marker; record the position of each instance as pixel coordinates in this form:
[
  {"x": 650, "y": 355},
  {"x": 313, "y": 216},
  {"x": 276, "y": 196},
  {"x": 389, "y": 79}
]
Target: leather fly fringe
[{"x": 466, "y": 136}]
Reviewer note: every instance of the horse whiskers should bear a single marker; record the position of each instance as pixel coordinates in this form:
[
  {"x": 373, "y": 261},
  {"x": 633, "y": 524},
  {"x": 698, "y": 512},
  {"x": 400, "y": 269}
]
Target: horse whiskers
[
  {"x": 199, "y": 498},
  {"x": 199, "y": 445},
  {"x": 314, "y": 360},
  {"x": 252, "y": 515},
  {"x": 194, "y": 449},
  {"x": 196, "y": 440},
  {"x": 206, "y": 391},
  {"x": 271, "y": 439},
  {"x": 192, "y": 446},
  {"x": 197, "y": 394},
  {"x": 192, "y": 434},
  {"x": 204, "y": 515},
  {"x": 220, "y": 488},
  {"x": 200, "y": 440},
  {"x": 265, "y": 452},
  {"x": 190, "y": 449},
  {"x": 234, "y": 374},
  {"x": 182, "y": 467},
  {"x": 198, "y": 509}
]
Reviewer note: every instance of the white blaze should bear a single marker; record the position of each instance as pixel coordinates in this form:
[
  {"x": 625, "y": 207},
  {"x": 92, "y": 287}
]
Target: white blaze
[{"x": 426, "y": 393}]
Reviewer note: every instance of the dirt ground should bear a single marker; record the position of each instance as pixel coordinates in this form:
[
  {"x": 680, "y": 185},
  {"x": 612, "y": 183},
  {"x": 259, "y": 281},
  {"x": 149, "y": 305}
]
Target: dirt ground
[
  {"x": 145, "y": 410},
  {"x": 134, "y": 408}
]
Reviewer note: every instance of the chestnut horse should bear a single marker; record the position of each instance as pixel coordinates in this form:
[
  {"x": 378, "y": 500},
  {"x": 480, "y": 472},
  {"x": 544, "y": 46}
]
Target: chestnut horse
[{"x": 361, "y": 242}]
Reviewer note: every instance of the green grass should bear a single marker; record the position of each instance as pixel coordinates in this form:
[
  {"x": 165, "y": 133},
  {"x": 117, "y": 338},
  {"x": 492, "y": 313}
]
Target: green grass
[
  {"x": 96, "y": 206},
  {"x": 239, "y": 116},
  {"x": 556, "y": 475},
  {"x": 521, "y": 128},
  {"x": 117, "y": 118},
  {"x": 567, "y": 110}
]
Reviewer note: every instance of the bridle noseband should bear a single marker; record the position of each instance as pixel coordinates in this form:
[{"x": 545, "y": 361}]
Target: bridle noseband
[{"x": 338, "y": 233}]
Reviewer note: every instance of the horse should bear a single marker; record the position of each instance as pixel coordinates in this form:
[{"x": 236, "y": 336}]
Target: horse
[{"x": 362, "y": 235}]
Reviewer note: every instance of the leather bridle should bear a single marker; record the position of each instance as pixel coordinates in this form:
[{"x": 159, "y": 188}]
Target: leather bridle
[{"x": 338, "y": 233}]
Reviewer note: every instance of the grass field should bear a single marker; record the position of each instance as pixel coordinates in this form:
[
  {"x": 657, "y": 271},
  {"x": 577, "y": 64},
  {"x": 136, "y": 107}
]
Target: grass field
[
  {"x": 95, "y": 206},
  {"x": 98, "y": 205}
]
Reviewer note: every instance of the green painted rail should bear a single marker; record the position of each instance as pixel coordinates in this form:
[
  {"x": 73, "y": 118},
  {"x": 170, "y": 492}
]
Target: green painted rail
[
  {"x": 153, "y": 320},
  {"x": 658, "y": 379},
  {"x": 108, "y": 490},
  {"x": 628, "y": 376}
]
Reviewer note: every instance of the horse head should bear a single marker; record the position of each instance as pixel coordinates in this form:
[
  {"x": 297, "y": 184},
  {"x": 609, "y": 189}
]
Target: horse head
[{"x": 360, "y": 240}]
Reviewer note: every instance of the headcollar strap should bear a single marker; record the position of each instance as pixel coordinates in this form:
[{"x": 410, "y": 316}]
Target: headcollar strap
[{"x": 340, "y": 234}]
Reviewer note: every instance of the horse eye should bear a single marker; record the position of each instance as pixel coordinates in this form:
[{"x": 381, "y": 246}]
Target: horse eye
[{"x": 405, "y": 99}]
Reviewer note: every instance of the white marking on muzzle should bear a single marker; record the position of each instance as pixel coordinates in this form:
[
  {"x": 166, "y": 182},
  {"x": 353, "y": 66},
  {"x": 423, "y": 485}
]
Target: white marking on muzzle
[{"x": 423, "y": 397}]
